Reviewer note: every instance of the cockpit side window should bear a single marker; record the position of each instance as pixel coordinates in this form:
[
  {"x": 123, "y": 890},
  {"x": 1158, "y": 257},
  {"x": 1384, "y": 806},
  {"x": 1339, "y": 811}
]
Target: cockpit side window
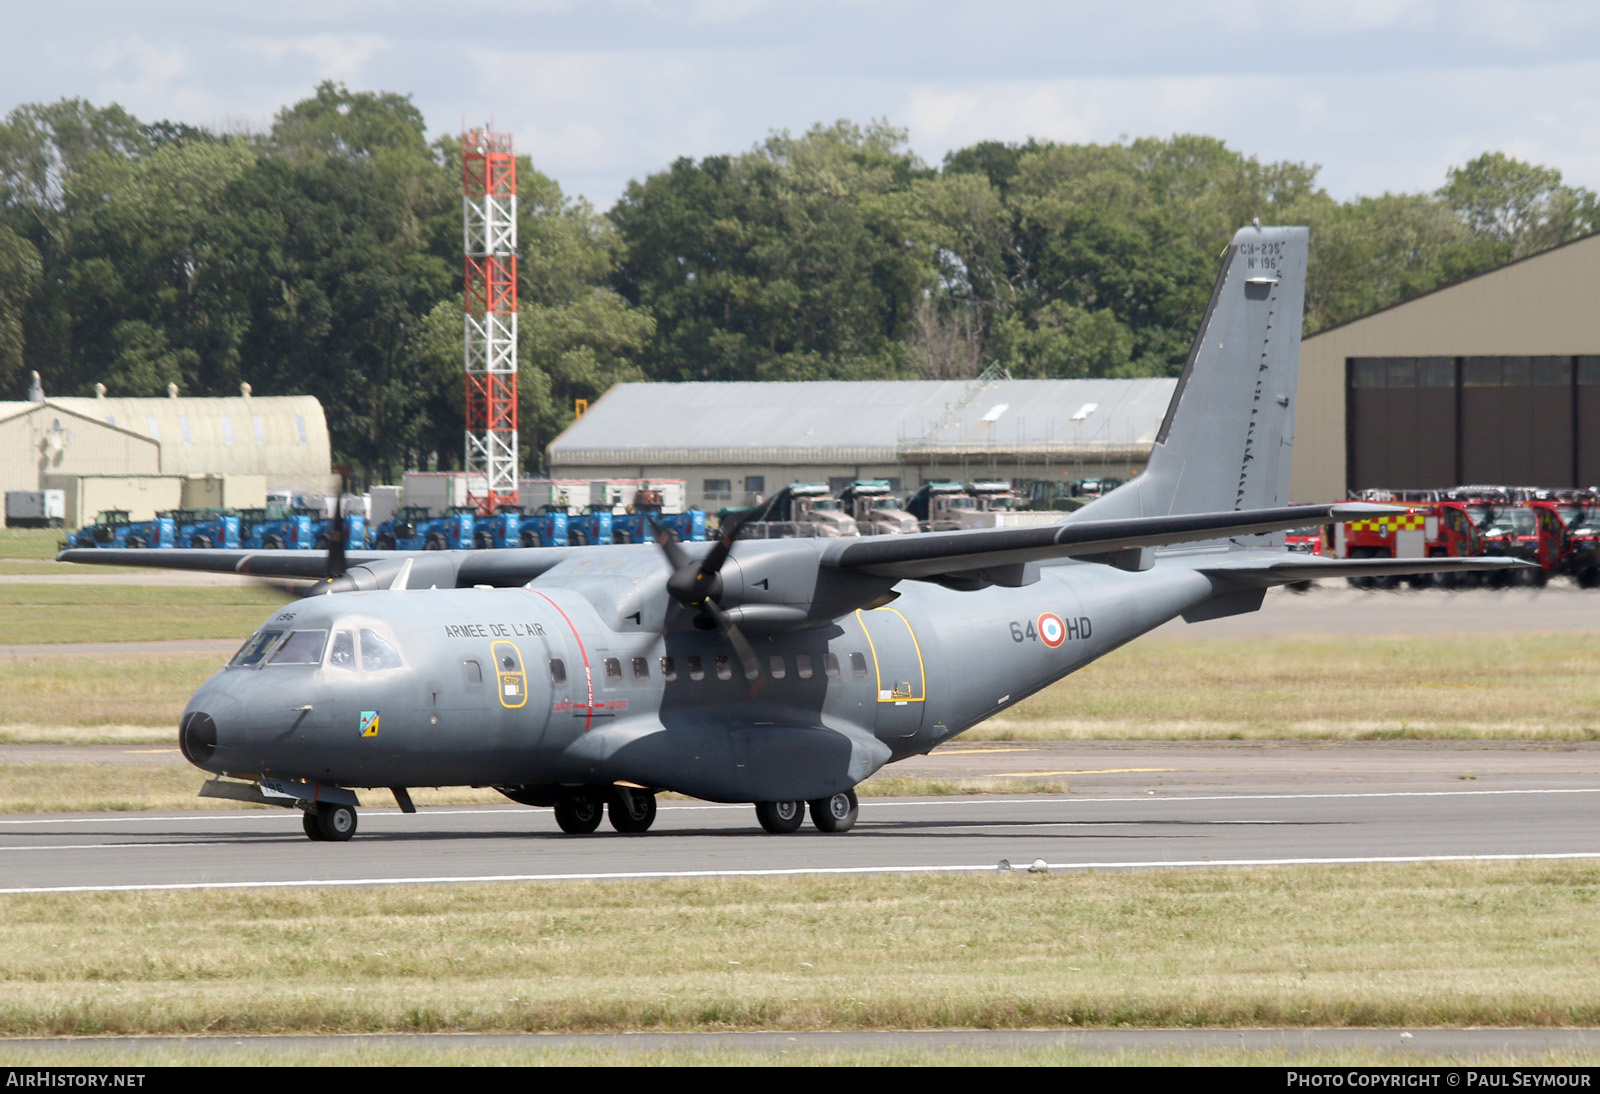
[
  {"x": 300, "y": 648},
  {"x": 343, "y": 654},
  {"x": 376, "y": 652},
  {"x": 254, "y": 648}
]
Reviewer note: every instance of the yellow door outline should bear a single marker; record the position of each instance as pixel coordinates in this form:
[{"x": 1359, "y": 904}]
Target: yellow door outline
[
  {"x": 919, "y": 689},
  {"x": 513, "y": 682}
]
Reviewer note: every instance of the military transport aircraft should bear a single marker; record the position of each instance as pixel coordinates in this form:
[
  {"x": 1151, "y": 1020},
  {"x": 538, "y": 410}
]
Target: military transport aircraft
[{"x": 776, "y": 672}]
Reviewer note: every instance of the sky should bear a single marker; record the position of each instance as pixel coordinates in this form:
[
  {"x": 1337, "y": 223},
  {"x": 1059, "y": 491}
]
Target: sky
[{"x": 1384, "y": 95}]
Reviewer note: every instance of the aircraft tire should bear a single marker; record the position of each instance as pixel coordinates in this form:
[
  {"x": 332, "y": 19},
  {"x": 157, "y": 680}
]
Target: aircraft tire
[
  {"x": 836, "y": 814},
  {"x": 337, "y": 823},
  {"x": 308, "y": 821},
  {"x": 781, "y": 818},
  {"x": 578, "y": 816},
  {"x": 631, "y": 811}
]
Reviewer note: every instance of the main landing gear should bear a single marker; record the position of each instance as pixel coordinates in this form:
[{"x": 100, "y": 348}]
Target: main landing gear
[
  {"x": 832, "y": 814},
  {"x": 631, "y": 811},
  {"x": 325, "y": 822}
]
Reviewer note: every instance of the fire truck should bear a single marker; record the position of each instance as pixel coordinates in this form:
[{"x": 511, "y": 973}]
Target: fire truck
[{"x": 1426, "y": 528}]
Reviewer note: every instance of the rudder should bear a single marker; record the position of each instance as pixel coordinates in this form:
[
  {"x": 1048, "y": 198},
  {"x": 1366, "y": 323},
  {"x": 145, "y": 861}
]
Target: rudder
[{"x": 1228, "y": 435}]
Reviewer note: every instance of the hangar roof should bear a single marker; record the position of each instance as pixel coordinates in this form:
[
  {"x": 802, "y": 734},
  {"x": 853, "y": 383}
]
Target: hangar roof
[
  {"x": 284, "y": 437},
  {"x": 878, "y": 421}
]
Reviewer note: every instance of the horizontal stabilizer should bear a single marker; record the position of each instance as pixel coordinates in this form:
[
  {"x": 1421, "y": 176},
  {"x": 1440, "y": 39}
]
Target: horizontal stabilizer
[
  {"x": 1276, "y": 570},
  {"x": 936, "y": 553}
]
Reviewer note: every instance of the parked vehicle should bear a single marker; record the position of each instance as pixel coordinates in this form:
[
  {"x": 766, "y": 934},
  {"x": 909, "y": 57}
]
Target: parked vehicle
[
  {"x": 545, "y": 527},
  {"x": 274, "y": 528},
  {"x": 413, "y": 529},
  {"x": 875, "y": 509}
]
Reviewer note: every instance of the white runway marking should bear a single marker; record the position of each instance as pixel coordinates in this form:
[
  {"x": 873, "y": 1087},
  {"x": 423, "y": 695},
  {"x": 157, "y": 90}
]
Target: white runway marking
[{"x": 667, "y": 875}]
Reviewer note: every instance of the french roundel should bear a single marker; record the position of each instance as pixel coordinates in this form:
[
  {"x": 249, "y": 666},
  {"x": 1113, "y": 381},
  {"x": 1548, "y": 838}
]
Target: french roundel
[{"x": 1052, "y": 632}]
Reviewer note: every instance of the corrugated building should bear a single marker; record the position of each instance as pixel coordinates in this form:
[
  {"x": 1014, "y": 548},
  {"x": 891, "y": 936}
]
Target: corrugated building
[
  {"x": 729, "y": 441},
  {"x": 123, "y": 445}
]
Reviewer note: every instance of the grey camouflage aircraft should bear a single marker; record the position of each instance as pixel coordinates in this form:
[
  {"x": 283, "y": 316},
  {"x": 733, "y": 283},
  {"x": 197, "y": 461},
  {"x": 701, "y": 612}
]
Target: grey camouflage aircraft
[{"x": 776, "y": 672}]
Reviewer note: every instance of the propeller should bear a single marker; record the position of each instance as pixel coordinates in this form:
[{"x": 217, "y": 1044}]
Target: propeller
[{"x": 696, "y": 586}]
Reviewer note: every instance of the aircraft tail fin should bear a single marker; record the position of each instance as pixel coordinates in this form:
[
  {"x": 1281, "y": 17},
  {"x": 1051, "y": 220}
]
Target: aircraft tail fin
[{"x": 1226, "y": 441}]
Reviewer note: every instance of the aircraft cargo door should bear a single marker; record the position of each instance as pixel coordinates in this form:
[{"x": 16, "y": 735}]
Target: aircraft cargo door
[{"x": 895, "y": 661}]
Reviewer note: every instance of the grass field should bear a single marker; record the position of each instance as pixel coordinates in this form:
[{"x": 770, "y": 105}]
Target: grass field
[
  {"x": 1401, "y": 946},
  {"x": 40, "y": 543},
  {"x": 46, "y": 614}
]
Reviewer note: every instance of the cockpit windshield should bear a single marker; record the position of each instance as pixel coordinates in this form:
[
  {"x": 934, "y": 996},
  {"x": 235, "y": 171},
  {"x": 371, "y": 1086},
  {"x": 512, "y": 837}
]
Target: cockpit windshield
[
  {"x": 255, "y": 647},
  {"x": 300, "y": 648}
]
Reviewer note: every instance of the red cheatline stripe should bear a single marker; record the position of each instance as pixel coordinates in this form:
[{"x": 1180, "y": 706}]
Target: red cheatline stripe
[{"x": 588, "y": 680}]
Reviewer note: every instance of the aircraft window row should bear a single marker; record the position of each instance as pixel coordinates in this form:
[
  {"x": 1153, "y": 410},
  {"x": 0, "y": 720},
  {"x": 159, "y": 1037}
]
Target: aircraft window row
[{"x": 695, "y": 666}]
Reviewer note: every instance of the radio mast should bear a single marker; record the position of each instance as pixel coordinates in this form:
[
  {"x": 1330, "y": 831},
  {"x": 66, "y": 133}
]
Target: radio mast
[{"x": 489, "y": 235}]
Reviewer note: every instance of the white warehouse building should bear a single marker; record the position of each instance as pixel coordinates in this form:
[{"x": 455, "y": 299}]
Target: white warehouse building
[{"x": 733, "y": 441}]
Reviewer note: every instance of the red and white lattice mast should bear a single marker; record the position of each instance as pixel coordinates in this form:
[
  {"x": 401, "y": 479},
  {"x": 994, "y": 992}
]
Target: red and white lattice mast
[{"x": 489, "y": 215}]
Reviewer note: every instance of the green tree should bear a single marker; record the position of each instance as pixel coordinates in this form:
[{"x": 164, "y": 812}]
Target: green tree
[
  {"x": 800, "y": 259},
  {"x": 19, "y": 280},
  {"x": 1522, "y": 205}
]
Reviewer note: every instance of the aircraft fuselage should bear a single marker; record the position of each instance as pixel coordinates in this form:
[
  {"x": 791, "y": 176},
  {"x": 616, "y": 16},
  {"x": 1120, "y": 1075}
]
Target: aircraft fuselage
[{"x": 531, "y": 687}]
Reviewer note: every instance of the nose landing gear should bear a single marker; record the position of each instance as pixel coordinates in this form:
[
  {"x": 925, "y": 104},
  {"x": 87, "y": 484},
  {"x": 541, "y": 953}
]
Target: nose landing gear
[{"x": 327, "y": 822}]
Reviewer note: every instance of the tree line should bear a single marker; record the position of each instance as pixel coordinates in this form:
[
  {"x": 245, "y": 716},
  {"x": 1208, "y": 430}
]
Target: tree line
[{"x": 323, "y": 257}]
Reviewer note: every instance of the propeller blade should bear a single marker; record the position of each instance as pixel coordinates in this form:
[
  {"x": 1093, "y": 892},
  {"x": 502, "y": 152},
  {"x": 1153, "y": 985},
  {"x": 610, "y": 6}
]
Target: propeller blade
[
  {"x": 749, "y": 663},
  {"x": 667, "y": 540},
  {"x": 335, "y": 566}
]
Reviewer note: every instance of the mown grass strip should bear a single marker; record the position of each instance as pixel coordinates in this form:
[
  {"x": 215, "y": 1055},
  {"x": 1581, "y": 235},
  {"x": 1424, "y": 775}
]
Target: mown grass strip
[
  {"x": 32, "y": 614},
  {"x": 1428, "y": 945}
]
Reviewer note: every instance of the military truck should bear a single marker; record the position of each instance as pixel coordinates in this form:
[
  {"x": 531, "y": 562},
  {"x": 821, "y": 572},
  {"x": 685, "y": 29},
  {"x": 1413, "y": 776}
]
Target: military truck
[
  {"x": 875, "y": 509},
  {"x": 801, "y": 510},
  {"x": 939, "y": 505}
]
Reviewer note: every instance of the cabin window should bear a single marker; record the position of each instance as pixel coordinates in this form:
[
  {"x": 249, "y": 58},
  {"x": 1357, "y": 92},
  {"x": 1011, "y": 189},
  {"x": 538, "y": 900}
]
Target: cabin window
[
  {"x": 473, "y": 672},
  {"x": 558, "y": 671},
  {"x": 376, "y": 652},
  {"x": 300, "y": 648},
  {"x": 697, "y": 669},
  {"x": 343, "y": 654},
  {"x": 613, "y": 672},
  {"x": 724, "y": 667},
  {"x": 669, "y": 669},
  {"x": 775, "y": 665},
  {"x": 830, "y": 664},
  {"x": 858, "y": 664},
  {"x": 802, "y": 665},
  {"x": 641, "y": 668}
]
